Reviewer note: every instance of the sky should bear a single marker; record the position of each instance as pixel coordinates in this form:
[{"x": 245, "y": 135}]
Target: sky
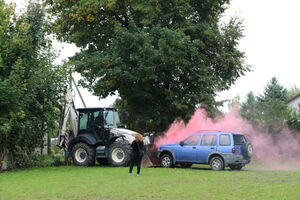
[{"x": 271, "y": 42}]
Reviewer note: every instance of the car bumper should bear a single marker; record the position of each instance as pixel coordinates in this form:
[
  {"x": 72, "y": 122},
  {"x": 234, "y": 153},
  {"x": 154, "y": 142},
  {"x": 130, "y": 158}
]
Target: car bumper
[{"x": 236, "y": 160}]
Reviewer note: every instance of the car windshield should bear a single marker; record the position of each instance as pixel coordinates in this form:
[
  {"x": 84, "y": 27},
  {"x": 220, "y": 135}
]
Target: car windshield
[{"x": 239, "y": 139}]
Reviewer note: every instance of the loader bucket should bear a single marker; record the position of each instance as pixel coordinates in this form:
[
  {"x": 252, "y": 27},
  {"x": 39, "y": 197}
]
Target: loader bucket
[{"x": 150, "y": 158}]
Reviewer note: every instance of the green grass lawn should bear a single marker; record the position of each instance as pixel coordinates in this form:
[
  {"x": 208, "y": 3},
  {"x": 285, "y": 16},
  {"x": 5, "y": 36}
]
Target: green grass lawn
[{"x": 154, "y": 183}]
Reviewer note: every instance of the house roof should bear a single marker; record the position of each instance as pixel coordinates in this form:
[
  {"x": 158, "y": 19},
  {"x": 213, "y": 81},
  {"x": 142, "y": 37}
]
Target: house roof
[{"x": 291, "y": 99}]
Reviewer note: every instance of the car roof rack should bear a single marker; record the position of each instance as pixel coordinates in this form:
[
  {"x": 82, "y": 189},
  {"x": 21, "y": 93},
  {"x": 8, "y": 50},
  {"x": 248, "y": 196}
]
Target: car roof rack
[{"x": 209, "y": 131}]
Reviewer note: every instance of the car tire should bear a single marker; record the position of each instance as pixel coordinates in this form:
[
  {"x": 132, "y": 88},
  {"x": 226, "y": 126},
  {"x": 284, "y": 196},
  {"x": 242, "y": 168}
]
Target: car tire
[
  {"x": 247, "y": 150},
  {"x": 216, "y": 163},
  {"x": 118, "y": 154},
  {"x": 186, "y": 165},
  {"x": 235, "y": 167},
  {"x": 83, "y": 155},
  {"x": 166, "y": 161}
]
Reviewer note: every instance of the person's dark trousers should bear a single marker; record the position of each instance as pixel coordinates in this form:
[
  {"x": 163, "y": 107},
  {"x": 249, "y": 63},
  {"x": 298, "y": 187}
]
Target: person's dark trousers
[{"x": 137, "y": 160}]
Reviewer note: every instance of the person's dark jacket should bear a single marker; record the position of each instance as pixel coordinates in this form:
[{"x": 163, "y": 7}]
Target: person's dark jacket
[{"x": 136, "y": 146}]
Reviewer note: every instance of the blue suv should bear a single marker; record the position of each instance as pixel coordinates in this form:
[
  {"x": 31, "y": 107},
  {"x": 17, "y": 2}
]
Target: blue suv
[{"x": 218, "y": 149}]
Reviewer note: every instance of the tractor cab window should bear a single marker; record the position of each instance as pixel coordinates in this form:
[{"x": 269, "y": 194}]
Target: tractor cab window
[
  {"x": 109, "y": 117},
  {"x": 83, "y": 121},
  {"x": 90, "y": 120}
]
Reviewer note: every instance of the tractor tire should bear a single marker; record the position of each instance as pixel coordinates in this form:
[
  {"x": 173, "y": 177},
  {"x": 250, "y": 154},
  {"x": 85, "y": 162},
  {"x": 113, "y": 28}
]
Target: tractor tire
[
  {"x": 83, "y": 155},
  {"x": 118, "y": 154},
  {"x": 217, "y": 163},
  {"x": 166, "y": 160}
]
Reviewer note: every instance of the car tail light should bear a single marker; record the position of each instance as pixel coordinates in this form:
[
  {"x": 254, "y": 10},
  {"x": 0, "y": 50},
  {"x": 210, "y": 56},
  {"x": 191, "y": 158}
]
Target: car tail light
[{"x": 233, "y": 150}]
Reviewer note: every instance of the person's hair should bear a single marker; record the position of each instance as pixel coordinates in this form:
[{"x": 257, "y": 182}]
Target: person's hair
[{"x": 138, "y": 137}]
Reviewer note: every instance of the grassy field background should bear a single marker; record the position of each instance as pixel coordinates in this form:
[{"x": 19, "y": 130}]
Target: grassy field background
[{"x": 199, "y": 182}]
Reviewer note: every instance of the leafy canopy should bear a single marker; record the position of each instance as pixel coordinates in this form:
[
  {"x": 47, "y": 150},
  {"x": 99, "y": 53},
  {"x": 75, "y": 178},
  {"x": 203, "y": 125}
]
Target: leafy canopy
[
  {"x": 163, "y": 57},
  {"x": 30, "y": 85}
]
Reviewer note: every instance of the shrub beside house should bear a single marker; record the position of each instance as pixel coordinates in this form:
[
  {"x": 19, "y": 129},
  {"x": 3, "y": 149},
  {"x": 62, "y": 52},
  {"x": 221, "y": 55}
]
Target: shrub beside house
[{"x": 294, "y": 102}]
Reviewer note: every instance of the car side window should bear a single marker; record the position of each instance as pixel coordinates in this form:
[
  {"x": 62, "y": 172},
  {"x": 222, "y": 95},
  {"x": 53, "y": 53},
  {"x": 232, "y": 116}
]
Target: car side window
[
  {"x": 208, "y": 140},
  {"x": 225, "y": 140},
  {"x": 192, "y": 140}
]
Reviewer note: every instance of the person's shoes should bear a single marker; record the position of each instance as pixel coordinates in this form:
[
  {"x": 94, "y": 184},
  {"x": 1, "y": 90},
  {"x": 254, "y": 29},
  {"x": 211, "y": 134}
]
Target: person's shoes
[
  {"x": 129, "y": 174},
  {"x": 137, "y": 175}
]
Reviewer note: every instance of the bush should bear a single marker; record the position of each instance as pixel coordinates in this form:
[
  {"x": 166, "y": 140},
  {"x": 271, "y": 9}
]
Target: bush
[
  {"x": 59, "y": 160},
  {"x": 36, "y": 160},
  {"x": 294, "y": 121}
]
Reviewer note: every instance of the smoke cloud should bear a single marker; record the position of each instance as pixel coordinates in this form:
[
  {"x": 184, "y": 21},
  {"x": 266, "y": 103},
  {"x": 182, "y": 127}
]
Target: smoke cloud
[{"x": 272, "y": 151}]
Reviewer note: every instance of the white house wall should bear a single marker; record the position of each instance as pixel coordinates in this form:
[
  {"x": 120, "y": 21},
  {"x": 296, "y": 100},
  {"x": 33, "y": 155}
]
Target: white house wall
[{"x": 295, "y": 104}]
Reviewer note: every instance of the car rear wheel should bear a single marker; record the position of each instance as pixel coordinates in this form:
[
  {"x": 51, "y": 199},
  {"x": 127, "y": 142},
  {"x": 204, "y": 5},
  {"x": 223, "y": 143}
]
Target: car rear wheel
[
  {"x": 216, "y": 163},
  {"x": 235, "y": 167},
  {"x": 166, "y": 161}
]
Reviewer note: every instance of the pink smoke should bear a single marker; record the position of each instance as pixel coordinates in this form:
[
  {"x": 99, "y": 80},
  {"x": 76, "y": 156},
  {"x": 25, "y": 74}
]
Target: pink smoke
[{"x": 267, "y": 149}]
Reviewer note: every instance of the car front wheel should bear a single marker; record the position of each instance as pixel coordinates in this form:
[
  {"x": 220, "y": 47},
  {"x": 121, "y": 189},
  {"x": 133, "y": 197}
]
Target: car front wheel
[
  {"x": 166, "y": 161},
  {"x": 216, "y": 163}
]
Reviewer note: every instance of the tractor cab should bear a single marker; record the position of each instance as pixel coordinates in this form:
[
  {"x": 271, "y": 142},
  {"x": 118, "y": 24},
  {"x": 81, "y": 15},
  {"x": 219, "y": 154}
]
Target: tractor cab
[{"x": 97, "y": 122}]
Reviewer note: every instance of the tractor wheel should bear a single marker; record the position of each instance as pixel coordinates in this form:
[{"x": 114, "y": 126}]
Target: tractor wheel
[
  {"x": 118, "y": 154},
  {"x": 83, "y": 155}
]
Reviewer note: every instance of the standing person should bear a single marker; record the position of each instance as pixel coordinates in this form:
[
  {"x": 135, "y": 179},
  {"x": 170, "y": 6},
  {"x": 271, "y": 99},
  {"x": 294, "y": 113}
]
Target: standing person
[{"x": 137, "y": 153}]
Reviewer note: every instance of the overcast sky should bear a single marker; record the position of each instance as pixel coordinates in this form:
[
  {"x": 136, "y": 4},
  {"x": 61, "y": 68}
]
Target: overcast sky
[{"x": 271, "y": 44}]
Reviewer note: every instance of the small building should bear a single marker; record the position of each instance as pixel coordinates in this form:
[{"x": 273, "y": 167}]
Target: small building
[{"x": 294, "y": 102}]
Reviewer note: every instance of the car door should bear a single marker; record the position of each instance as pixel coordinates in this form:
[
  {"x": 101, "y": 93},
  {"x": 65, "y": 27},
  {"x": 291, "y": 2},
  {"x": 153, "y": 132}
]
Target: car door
[
  {"x": 186, "y": 151},
  {"x": 207, "y": 145},
  {"x": 225, "y": 145}
]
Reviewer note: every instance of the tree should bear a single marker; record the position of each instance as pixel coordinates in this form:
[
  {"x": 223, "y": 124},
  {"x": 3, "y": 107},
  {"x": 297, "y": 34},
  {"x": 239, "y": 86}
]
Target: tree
[
  {"x": 273, "y": 91},
  {"x": 234, "y": 103},
  {"x": 268, "y": 111},
  {"x": 30, "y": 85},
  {"x": 163, "y": 57},
  {"x": 250, "y": 110}
]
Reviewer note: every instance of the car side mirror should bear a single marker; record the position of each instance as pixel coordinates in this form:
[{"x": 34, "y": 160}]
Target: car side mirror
[{"x": 181, "y": 143}]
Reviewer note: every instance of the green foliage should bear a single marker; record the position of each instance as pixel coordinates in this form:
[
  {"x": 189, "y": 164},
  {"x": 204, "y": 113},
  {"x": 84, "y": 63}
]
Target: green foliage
[
  {"x": 268, "y": 111},
  {"x": 294, "y": 121},
  {"x": 164, "y": 58},
  {"x": 30, "y": 85},
  {"x": 272, "y": 91},
  {"x": 249, "y": 109},
  {"x": 293, "y": 91}
]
